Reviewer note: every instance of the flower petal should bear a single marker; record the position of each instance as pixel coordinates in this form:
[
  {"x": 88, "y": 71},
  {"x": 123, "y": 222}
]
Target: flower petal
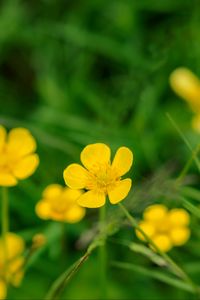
[
  {"x": 2, "y": 137},
  {"x": 52, "y": 191},
  {"x": 178, "y": 217},
  {"x": 163, "y": 242},
  {"x": 95, "y": 154},
  {"x": 147, "y": 228},
  {"x": 21, "y": 142},
  {"x": 3, "y": 290},
  {"x": 7, "y": 179},
  {"x": 26, "y": 166},
  {"x": 43, "y": 210},
  {"x": 92, "y": 199},
  {"x": 75, "y": 214},
  {"x": 15, "y": 246},
  {"x": 75, "y": 176},
  {"x": 71, "y": 195},
  {"x": 123, "y": 160},
  {"x": 120, "y": 191},
  {"x": 155, "y": 213},
  {"x": 196, "y": 123},
  {"x": 179, "y": 235}
]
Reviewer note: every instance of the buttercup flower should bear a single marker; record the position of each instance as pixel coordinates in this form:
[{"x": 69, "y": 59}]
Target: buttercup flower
[
  {"x": 166, "y": 228},
  {"x": 60, "y": 204},
  {"x": 187, "y": 86},
  {"x": 17, "y": 157},
  {"x": 11, "y": 270},
  {"x": 100, "y": 178}
]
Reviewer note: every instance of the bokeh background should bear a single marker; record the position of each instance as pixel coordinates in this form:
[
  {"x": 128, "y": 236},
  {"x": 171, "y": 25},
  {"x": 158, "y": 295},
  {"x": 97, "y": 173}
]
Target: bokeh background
[{"x": 76, "y": 72}]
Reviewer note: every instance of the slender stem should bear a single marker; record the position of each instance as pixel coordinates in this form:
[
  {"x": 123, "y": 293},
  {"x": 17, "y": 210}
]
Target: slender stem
[
  {"x": 183, "y": 138},
  {"x": 5, "y": 226},
  {"x": 102, "y": 257},
  {"x": 188, "y": 164},
  {"x": 174, "y": 267}
]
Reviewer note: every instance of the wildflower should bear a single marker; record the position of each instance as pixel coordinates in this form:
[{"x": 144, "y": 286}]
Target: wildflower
[
  {"x": 100, "y": 178},
  {"x": 166, "y": 228},
  {"x": 11, "y": 268},
  {"x": 59, "y": 204},
  {"x": 187, "y": 86},
  {"x": 17, "y": 157}
]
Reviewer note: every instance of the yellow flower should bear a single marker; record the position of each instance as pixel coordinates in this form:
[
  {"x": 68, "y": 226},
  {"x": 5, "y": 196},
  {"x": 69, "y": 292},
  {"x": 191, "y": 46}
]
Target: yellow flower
[
  {"x": 17, "y": 157},
  {"x": 187, "y": 86},
  {"x": 166, "y": 228},
  {"x": 11, "y": 270},
  {"x": 3, "y": 289},
  {"x": 59, "y": 203},
  {"x": 99, "y": 177}
]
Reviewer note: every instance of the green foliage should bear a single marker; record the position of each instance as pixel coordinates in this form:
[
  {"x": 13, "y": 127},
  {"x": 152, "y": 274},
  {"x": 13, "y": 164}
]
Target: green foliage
[{"x": 79, "y": 72}]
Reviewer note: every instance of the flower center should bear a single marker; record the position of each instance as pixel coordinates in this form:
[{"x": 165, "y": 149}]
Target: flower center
[{"x": 102, "y": 178}]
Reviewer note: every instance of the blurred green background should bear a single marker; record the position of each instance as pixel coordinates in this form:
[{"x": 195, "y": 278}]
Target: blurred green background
[{"x": 76, "y": 72}]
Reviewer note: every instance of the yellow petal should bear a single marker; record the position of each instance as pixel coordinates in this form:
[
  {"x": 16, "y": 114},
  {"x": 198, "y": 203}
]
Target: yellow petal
[
  {"x": 120, "y": 191},
  {"x": 148, "y": 228},
  {"x": 43, "y": 210},
  {"x": 179, "y": 235},
  {"x": 7, "y": 179},
  {"x": 196, "y": 123},
  {"x": 3, "y": 290},
  {"x": 123, "y": 160},
  {"x": 155, "y": 213},
  {"x": 75, "y": 214},
  {"x": 179, "y": 217},
  {"x": 75, "y": 176},
  {"x": 92, "y": 199},
  {"x": 20, "y": 142},
  {"x": 163, "y": 242},
  {"x": 95, "y": 154},
  {"x": 16, "y": 271},
  {"x": 26, "y": 166},
  {"x": 52, "y": 191},
  {"x": 2, "y": 137},
  {"x": 187, "y": 86},
  {"x": 15, "y": 246},
  {"x": 71, "y": 195}
]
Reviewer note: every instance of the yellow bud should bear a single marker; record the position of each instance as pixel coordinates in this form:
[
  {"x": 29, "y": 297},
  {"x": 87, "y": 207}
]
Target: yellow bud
[
  {"x": 39, "y": 240},
  {"x": 187, "y": 86}
]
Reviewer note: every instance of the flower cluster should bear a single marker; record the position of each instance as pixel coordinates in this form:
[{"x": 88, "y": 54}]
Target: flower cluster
[
  {"x": 99, "y": 177},
  {"x": 60, "y": 204},
  {"x": 17, "y": 157},
  {"x": 187, "y": 86},
  {"x": 11, "y": 266},
  {"x": 166, "y": 228}
]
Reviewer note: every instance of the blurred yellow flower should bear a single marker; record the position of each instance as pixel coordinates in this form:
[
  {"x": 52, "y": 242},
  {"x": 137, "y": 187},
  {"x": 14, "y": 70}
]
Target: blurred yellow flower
[
  {"x": 166, "y": 228},
  {"x": 17, "y": 157},
  {"x": 99, "y": 177},
  {"x": 60, "y": 204},
  {"x": 187, "y": 86},
  {"x": 11, "y": 270}
]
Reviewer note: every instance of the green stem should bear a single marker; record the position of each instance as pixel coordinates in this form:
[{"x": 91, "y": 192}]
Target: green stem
[
  {"x": 5, "y": 226},
  {"x": 174, "y": 267},
  {"x": 188, "y": 164},
  {"x": 102, "y": 256}
]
